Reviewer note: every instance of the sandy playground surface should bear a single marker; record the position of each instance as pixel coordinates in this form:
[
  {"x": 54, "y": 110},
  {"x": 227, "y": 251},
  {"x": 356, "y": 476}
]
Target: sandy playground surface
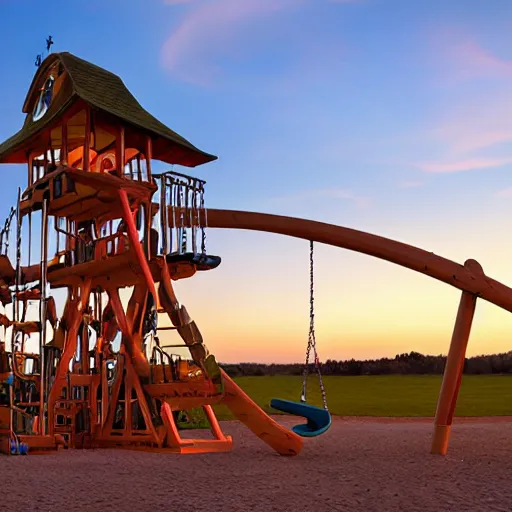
[{"x": 359, "y": 464}]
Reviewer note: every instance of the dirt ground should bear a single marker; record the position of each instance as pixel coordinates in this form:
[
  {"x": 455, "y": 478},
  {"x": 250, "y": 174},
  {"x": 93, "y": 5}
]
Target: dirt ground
[{"x": 359, "y": 464}]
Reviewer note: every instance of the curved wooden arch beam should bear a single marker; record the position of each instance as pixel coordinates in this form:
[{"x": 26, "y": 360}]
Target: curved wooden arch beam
[{"x": 469, "y": 277}]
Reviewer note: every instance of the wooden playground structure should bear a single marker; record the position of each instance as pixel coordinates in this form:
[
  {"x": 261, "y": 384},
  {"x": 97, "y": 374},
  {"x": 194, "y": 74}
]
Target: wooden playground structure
[{"x": 108, "y": 222}]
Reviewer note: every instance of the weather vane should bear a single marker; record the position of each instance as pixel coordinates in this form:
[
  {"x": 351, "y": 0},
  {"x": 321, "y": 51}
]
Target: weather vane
[{"x": 39, "y": 58}]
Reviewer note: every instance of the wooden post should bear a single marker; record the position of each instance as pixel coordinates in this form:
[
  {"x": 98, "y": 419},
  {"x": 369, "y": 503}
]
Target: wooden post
[
  {"x": 133, "y": 347},
  {"x": 134, "y": 241},
  {"x": 120, "y": 151},
  {"x": 149, "y": 156},
  {"x": 163, "y": 215},
  {"x": 139, "y": 168},
  {"x": 64, "y": 151},
  {"x": 30, "y": 169},
  {"x": 104, "y": 395},
  {"x": 43, "y": 391},
  {"x": 86, "y": 160},
  {"x": 45, "y": 163},
  {"x": 453, "y": 374}
]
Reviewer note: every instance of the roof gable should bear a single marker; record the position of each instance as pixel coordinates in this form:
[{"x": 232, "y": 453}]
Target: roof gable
[{"x": 104, "y": 91}]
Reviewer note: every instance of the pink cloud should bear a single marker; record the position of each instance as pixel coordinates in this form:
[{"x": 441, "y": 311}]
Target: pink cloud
[
  {"x": 471, "y": 129},
  {"x": 471, "y": 124},
  {"x": 462, "y": 165},
  {"x": 210, "y": 29},
  {"x": 459, "y": 56},
  {"x": 506, "y": 192},
  {"x": 466, "y": 138},
  {"x": 471, "y": 60}
]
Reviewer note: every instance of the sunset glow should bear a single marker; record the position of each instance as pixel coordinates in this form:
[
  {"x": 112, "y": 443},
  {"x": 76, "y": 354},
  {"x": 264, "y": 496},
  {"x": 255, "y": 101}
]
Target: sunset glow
[{"x": 368, "y": 114}]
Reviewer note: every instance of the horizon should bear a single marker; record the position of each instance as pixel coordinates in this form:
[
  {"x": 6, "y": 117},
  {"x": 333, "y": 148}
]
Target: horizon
[
  {"x": 392, "y": 358},
  {"x": 387, "y": 117}
]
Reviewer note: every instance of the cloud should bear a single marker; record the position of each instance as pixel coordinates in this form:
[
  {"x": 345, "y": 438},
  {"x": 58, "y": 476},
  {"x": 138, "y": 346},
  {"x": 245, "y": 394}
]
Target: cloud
[
  {"x": 474, "y": 128},
  {"x": 410, "y": 184},
  {"x": 466, "y": 137},
  {"x": 471, "y": 60},
  {"x": 473, "y": 132},
  {"x": 212, "y": 30},
  {"x": 327, "y": 193},
  {"x": 462, "y": 165},
  {"x": 209, "y": 30},
  {"x": 506, "y": 192},
  {"x": 458, "y": 56}
]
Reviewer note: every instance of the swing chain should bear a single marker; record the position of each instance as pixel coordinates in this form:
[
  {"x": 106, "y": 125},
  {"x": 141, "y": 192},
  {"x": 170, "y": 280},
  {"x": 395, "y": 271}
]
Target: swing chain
[
  {"x": 204, "y": 224},
  {"x": 312, "y": 337}
]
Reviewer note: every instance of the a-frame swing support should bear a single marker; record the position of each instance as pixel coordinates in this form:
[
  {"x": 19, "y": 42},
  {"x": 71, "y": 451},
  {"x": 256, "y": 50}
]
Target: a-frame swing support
[
  {"x": 469, "y": 278},
  {"x": 452, "y": 377}
]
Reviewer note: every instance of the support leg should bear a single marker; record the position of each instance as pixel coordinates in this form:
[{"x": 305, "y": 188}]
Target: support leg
[
  {"x": 134, "y": 349},
  {"x": 75, "y": 312},
  {"x": 453, "y": 374}
]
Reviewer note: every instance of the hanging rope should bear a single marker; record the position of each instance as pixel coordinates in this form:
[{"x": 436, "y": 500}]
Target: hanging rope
[{"x": 312, "y": 337}]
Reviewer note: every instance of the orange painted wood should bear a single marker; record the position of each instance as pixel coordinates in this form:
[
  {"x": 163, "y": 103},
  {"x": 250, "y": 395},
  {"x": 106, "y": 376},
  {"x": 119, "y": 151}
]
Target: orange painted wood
[
  {"x": 469, "y": 277},
  {"x": 64, "y": 148},
  {"x": 149, "y": 156},
  {"x": 134, "y": 239},
  {"x": 86, "y": 161},
  {"x": 120, "y": 151},
  {"x": 452, "y": 377},
  {"x": 282, "y": 440}
]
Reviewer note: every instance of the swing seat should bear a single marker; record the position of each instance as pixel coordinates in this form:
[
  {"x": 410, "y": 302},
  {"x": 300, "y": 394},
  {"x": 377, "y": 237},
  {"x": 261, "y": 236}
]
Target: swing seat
[
  {"x": 202, "y": 262},
  {"x": 318, "y": 419}
]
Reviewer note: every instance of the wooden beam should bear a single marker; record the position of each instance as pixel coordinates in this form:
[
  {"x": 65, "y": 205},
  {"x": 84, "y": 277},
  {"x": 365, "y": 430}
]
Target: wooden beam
[
  {"x": 469, "y": 277},
  {"x": 453, "y": 374},
  {"x": 120, "y": 154},
  {"x": 149, "y": 156},
  {"x": 87, "y": 140},
  {"x": 64, "y": 149}
]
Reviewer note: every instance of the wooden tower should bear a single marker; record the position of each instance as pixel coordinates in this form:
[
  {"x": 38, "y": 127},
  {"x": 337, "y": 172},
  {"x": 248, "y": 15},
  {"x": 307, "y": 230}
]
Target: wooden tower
[{"x": 89, "y": 148}]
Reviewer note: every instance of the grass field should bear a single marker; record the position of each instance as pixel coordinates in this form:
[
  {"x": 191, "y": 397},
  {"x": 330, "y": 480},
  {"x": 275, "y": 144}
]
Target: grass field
[{"x": 386, "y": 395}]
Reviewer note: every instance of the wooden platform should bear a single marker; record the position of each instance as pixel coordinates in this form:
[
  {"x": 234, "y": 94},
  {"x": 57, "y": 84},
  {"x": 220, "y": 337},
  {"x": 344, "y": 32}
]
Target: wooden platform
[
  {"x": 40, "y": 444},
  {"x": 185, "y": 395},
  {"x": 120, "y": 270},
  {"x": 82, "y": 195}
]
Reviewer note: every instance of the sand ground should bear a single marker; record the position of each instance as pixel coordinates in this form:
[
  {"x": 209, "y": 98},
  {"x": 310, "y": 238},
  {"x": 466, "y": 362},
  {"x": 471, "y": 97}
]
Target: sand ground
[{"x": 359, "y": 464}]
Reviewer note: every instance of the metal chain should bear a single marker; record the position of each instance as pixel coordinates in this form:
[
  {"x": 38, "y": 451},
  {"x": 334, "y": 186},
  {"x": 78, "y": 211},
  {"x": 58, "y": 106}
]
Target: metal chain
[
  {"x": 193, "y": 212},
  {"x": 312, "y": 337},
  {"x": 18, "y": 255},
  {"x": 204, "y": 224},
  {"x": 5, "y": 231}
]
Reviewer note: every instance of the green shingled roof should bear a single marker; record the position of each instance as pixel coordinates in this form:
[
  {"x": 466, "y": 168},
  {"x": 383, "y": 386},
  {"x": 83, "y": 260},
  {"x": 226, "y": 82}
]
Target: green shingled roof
[{"x": 106, "y": 92}]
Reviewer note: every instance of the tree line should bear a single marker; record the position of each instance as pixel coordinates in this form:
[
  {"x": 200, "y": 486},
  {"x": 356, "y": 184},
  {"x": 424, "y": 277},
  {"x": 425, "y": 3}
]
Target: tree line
[{"x": 412, "y": 363}]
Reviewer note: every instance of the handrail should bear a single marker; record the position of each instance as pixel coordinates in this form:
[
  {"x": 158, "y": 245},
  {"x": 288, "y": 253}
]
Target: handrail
[{"x": 162, "y": 355}]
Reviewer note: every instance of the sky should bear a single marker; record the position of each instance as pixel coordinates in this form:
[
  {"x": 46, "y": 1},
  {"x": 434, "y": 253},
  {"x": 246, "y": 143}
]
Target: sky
[{"x": 388, "y": 116}]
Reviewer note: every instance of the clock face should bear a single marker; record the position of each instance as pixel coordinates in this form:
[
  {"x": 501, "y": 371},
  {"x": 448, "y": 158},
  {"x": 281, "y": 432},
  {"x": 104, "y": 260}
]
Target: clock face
[{"x": 45, "y": 99}]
